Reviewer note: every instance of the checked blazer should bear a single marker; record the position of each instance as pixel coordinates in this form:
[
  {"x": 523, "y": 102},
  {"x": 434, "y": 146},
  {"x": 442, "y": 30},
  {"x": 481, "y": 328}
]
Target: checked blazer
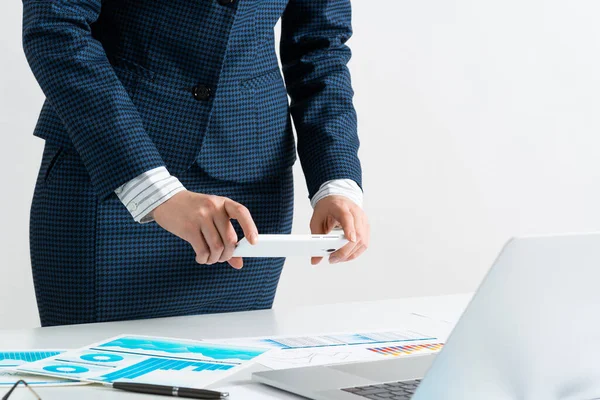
[
  {"x": 194, "y": 86},
  {"x": 132, "y": 85}
]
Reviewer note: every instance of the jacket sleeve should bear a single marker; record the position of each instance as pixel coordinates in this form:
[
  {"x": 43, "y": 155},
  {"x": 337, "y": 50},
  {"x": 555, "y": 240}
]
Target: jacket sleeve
[
  {"x": 314, "y": 59},
  {"x": 73, "y": 71}
]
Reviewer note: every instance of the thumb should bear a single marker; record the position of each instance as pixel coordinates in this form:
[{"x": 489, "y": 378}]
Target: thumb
[
  {"x": 236, "y": 262},
  {"x": 321, "y": 227}
]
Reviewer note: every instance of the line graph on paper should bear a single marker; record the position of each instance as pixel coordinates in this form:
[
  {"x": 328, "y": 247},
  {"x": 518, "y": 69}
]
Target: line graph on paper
[{"x": 306, "y": 357}]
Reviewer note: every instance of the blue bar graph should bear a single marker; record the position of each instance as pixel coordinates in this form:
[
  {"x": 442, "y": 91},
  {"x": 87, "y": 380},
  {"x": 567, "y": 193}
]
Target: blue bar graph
[
  {"x": 160, "y": 364},
  {"x": 190, "y": 349},
  {"x": 28, "y": 356}
]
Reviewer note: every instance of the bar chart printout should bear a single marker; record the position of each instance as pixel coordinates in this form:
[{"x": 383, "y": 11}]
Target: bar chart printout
[
  {"x": 15, "y": 358},
  {"x": 144, "y": 359},
  {"x": 332, "y": 348},
  {"x": 407, "y": 349}
]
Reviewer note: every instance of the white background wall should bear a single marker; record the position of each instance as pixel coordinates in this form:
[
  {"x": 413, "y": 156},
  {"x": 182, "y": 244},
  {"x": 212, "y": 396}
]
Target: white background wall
[{"x": 478, "y": 121}]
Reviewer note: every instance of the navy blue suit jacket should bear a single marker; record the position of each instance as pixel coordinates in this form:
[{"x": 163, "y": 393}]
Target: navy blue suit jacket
[{"x": 136, "y": 84}]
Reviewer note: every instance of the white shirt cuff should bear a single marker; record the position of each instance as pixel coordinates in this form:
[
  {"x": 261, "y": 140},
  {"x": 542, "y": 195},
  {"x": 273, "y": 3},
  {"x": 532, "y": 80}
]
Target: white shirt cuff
[
  {"x": 144, "y": 193},
  {"x": 342, "y": 187}
]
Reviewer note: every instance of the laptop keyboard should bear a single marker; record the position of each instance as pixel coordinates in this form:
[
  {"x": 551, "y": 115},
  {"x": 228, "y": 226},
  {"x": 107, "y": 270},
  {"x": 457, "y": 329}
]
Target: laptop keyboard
[{"x": 386, "y": 391}]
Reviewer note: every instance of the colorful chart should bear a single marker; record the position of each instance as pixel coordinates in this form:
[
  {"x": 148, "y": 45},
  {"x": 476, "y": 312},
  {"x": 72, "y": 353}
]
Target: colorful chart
[
  {"x": 66, "y": 369},
  {"x": 408, "y": 349},
  {"x": 339, "y": 347},
  {"x": 143, "y": 359},
  {"x": 344, "y": 339},
  {"x": 14, "y": 358},
  {"x": 181, "y": 348},
  {"x": 101, "y": 357},
  {"x": 159, "y": 364},
  {"x": 9, "y": 360}
]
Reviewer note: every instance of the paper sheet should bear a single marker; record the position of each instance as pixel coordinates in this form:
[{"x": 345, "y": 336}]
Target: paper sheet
[
  {"x": 303, "y": 351},
  {"x": 145, "y": 359},
  {"x": 15, "y": 358}
]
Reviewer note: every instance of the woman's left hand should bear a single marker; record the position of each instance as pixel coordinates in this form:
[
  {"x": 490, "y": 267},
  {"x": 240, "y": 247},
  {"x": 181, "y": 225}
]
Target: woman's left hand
[{"x": 338, "y": 211}]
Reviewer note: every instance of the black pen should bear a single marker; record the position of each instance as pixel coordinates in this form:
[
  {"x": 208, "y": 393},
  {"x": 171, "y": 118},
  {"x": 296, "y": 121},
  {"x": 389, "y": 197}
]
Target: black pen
[{"x": 173, "y": 391}]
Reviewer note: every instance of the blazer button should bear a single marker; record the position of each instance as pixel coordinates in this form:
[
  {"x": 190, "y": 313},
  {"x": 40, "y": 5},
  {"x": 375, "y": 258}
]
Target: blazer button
[
  {"x": 201, "y": 92},
  {"x": 225, "y": 2}
]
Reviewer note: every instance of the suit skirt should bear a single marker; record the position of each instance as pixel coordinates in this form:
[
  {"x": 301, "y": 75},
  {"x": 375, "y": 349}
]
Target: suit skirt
[{"x": 92, "y": 262}]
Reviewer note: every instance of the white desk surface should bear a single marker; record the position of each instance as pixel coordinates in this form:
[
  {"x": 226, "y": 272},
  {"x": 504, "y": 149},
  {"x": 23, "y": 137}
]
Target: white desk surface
[{"x": 358, "y": 316}]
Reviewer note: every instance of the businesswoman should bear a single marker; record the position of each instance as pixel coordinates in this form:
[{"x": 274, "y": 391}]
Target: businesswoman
[{"x": 168, "y": 137}]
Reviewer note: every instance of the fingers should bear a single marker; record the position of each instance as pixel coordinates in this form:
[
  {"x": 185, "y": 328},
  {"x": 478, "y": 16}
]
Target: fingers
[
  {"x": 321, "y": 226},
  {"x": 200, "y": 247},
  {"x": 344, "y": 216},
  {"x": 220, "y": 235},
  {"x": 227, "y": 234},
  {"x": 348, "y": 252},
  {"x": 363, "y": 235},
  {"x": 215, "y": 248},
  {"x": 357, "y": 252},
  {"x": 330, "y": 224},
  {"x": 213, "y": 239},
  {"x": 353, "y": 222},
  {"x": 317, "y": 227},
  {"x": 346, "y": 219},
  {"x": 239, "y": 212},
  {"x": 236, "y": 262},
  {"x": 204, "y": 221},
  {"x": 339, "y": 218},
  {"x": 343, "y": 253}
]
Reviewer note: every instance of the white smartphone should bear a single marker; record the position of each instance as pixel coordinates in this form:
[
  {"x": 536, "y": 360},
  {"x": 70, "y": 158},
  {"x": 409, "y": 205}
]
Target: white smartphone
[{"x": 270, "y": 245}]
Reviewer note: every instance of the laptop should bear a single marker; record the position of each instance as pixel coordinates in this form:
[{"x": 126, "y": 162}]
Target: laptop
[{"x": 531, "y": 332}]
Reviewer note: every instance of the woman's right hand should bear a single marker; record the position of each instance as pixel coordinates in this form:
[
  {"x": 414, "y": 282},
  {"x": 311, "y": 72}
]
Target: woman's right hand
[{"x": 204, "y": 222}]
